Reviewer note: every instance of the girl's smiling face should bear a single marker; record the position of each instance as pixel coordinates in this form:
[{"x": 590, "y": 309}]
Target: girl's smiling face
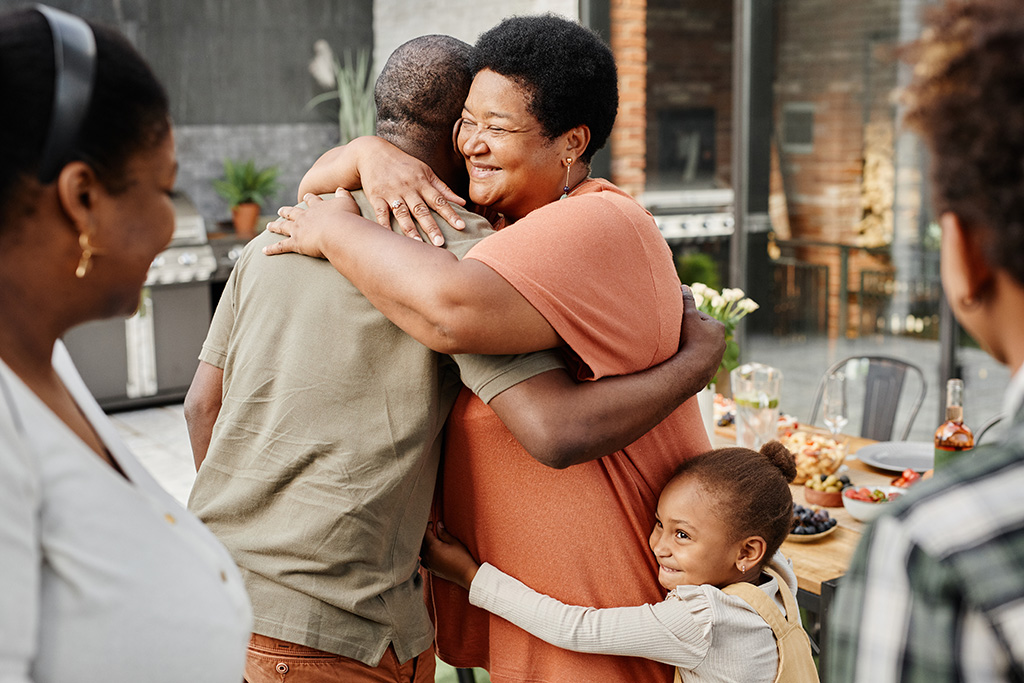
[{"x": 691, "y": 541}]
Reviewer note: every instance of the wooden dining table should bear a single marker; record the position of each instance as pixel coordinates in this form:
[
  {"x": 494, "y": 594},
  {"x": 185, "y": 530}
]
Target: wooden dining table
[{"x": 820, "y": 564}]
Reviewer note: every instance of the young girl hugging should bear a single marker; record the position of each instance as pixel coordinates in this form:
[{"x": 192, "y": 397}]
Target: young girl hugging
[{"x": 730, "y": 613}]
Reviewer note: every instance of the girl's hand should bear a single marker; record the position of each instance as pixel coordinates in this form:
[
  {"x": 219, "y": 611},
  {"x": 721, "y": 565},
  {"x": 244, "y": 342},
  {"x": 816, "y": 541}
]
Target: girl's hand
[
  {"x": 393, "y": 181},
  {"x": 307, "y": 229},
  {"x": 447, "y": 558}
]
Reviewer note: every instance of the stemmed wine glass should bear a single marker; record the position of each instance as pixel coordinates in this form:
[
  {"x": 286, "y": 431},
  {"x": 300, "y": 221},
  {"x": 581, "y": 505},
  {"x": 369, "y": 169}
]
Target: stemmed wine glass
[{"x": 835, "y": 402}]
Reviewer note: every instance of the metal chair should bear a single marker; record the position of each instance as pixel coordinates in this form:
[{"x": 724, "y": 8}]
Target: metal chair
[
  {"x": 989, "y": 424},
  {"x": 883, "y": 381}
]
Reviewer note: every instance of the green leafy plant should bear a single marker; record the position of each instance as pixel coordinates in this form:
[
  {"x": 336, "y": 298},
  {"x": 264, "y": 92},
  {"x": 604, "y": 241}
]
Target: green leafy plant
[
  {"x": 244, "y": 182},
  {"x": 350, "y": 84},
  {"x": 696, "y": 266},
  {"x": 728, "y": 307}
]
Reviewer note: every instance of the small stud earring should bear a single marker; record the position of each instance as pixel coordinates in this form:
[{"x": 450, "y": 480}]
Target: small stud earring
[{"x": 743, "y": 568}]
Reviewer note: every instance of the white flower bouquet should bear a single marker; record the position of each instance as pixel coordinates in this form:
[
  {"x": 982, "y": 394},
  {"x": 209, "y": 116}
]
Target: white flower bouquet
[{"x": 728, "y": 307}]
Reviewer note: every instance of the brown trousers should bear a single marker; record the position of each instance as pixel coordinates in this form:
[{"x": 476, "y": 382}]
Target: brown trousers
[{"x": 270, "y": 660}]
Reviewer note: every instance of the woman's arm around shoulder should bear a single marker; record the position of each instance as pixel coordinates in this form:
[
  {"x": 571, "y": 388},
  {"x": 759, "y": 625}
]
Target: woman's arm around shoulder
[{"x": 392, "y": 180}]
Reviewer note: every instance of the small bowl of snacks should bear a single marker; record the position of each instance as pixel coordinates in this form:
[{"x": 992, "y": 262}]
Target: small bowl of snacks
[
  {"x": 816, "y": 453},
  {"x": 865, "y": 503},
  {"x": 825, "y": 490},
  {"x": 810, "y": 524}
]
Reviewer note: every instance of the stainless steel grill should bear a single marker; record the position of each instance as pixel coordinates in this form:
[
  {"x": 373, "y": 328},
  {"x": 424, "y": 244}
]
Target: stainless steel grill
[{"x": 691, "y": 215}]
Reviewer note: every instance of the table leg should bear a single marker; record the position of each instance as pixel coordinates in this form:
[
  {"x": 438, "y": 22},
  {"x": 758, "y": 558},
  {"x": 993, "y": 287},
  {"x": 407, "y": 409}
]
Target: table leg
[{"x": 828, "y": 591}]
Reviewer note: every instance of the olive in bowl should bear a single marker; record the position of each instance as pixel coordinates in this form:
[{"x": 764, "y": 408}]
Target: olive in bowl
[
  {"x": 824, "y": 490},
  {"x": 865, "y": 503}
]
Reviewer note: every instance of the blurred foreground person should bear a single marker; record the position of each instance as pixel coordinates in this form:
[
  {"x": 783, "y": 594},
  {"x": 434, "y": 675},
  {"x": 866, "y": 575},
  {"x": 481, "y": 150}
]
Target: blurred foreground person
[
  {"x": 936, "y": 589},
  {"x": 103, "y": 575}
]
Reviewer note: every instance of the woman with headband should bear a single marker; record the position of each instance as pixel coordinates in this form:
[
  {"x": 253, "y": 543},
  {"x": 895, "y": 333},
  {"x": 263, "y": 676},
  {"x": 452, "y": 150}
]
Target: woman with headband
[{"x": 105, "y": 576}]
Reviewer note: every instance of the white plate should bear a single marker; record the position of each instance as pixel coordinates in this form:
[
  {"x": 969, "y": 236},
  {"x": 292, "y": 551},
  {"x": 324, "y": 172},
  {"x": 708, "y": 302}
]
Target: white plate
[{"x": 896, "y": 456}]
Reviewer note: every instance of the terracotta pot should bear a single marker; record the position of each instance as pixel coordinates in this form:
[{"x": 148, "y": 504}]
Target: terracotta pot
[{"x": 244, "y": 217}]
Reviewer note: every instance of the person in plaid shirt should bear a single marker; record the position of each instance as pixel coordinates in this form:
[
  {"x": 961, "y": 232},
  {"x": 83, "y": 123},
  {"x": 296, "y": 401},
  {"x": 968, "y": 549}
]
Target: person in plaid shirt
[{"x": 935, "y": 591}]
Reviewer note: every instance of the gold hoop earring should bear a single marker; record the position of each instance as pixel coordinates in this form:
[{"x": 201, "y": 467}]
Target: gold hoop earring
[
  {"x": 85, "y": 262},
  {"x": 568, "y": 167}
]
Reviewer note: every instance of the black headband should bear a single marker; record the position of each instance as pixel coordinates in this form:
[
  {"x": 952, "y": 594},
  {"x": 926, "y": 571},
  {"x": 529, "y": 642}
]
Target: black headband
[{"x": 74, "y": 63}]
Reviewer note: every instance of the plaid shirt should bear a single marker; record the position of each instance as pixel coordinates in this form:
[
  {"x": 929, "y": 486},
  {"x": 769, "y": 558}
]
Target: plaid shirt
[{"x": 935, "y": 591}]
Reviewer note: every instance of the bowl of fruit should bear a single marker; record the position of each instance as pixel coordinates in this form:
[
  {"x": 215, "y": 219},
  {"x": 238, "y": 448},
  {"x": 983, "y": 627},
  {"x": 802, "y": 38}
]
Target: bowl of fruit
[
  {"x": 816, "y": 452},
  {"x": 811, "y": 523},
  {"x": 865, "y": 503},
  {"x": 825, "y": 490}
]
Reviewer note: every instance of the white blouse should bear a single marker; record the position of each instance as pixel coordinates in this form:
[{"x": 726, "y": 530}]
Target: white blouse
[
  {"x": 104, "y": 578},
  {"x": 708, "y": 635}
]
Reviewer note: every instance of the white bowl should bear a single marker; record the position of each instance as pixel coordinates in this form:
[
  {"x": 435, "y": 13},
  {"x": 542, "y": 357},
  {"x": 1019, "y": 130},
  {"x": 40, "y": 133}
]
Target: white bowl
[{"x": 864, "y": 511}]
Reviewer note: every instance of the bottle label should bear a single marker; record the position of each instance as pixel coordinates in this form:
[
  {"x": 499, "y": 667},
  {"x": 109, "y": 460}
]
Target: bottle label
[{"x": 944, "y": 456}]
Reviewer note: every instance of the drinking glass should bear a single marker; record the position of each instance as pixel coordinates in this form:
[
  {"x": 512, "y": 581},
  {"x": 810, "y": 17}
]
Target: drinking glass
[
  {"x": 756, "y": 389},
  {"x": 835, "y": 403}
]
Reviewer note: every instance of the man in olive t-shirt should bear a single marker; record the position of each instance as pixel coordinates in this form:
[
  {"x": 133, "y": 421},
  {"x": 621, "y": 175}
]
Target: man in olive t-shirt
[{"x": 322, "y": 461}]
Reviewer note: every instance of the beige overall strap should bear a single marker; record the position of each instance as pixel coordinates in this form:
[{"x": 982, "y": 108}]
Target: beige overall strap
[
  {"x": 789, "y": 634},
  {"x": 762, "y": 604}
]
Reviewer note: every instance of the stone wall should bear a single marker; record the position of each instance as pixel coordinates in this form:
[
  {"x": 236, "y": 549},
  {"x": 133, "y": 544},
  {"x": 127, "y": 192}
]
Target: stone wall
[{"x": 237, "y": 75}]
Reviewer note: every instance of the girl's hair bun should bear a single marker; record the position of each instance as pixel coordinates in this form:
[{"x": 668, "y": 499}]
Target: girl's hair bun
[{"x": 780, "y": 456}]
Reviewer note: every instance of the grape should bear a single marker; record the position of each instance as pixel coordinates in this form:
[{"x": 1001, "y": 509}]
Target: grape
[{"x": 808, "y": 521}]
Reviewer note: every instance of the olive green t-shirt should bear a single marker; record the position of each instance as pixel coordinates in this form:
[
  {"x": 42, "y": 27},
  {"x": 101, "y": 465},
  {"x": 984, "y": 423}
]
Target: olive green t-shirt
[{"x": 321, "y": 469}]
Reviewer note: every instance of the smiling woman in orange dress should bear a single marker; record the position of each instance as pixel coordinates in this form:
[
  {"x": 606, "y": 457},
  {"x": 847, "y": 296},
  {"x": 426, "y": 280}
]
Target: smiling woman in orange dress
[{"x": 578, "y": 265}]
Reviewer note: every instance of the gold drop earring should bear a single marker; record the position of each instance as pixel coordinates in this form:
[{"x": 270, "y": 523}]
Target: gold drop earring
[
  {"x": 85, "y": 262},
  {"x": 568, "y": 167}
]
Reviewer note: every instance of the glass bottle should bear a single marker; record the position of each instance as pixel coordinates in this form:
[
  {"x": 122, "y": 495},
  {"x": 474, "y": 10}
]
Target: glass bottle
[{"x": 953, "y": 437}]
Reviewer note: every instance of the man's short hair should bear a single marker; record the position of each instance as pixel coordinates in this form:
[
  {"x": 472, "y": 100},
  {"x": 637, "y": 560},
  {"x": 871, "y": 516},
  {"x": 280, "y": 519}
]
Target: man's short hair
[{"x": 422, "y": 87}]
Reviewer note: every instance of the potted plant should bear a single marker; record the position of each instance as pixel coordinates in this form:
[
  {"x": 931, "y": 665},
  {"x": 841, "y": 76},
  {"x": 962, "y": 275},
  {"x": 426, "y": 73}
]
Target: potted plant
[
  {"x": 350, "y": 84},
  {"x": 246, "y": 187}
]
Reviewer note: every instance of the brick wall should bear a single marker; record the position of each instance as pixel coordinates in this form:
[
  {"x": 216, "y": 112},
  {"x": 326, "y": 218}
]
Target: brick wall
[
  {"x": 629, "y": 43},
  {"x": 833, "y": 57}
]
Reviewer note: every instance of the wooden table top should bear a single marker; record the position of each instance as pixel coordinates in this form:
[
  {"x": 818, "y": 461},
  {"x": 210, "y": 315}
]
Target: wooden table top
[{"x": 828, "y": 558}]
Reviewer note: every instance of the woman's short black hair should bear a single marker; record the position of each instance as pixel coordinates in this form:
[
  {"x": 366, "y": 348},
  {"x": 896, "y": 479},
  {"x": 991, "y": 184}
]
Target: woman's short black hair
[
  {"x": 128, "y": 111},
  {"x": 566, "y": 68}
]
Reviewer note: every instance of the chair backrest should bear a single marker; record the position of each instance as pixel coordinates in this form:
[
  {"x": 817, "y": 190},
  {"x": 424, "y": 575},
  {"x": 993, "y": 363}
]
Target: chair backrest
[
  {"x": 883, "y": 382},
  {"x": 984, "y": 429}
]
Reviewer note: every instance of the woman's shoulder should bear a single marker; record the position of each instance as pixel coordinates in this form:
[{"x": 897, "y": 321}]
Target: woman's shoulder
[
  {"x": 602, "y": 190},
  {"x": 597, "y": 204}
]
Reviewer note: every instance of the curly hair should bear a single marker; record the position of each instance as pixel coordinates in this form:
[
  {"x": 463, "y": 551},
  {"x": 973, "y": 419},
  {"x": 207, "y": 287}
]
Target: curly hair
[
  {"x": 566, "y": 69},
  {"x": 966, "y": 100},
  {"x": 129, "y": 110},
  {"x": 751, "y": 490}
]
